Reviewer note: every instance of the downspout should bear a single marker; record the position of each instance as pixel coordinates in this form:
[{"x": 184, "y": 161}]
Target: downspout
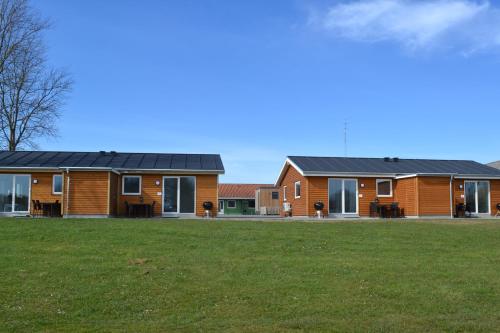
[
  {"x": 451, "y": 196},
  {"x": 67, "y": 192}
]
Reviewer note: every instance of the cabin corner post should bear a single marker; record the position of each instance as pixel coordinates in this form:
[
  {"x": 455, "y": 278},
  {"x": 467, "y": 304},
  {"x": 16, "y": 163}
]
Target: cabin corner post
[
  {"x": 68, "y": 180},
  {"x": 109, "y": 193}
]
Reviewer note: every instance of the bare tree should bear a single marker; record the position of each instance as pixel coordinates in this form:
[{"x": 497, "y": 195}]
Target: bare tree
[{"x": 31, "y": 94}]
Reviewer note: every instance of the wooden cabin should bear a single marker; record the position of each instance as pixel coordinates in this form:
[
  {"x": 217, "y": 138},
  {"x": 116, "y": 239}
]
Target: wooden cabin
[
  {"x": 267, "y": 200},
  {"x": 103, "y": 184},
  {"x": 363, "y": 187}
]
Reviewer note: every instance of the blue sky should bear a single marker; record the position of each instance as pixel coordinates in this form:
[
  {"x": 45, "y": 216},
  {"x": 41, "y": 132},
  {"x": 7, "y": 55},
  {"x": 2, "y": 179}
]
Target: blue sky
[{"x": 258, "y": 80}]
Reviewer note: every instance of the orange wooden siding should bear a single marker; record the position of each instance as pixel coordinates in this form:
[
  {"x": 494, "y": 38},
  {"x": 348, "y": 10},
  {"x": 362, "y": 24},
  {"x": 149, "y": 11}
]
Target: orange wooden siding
[
  {"x": 367, "y": 192},
  {"x": 318, "y": 191},
  {"x": 113, "y": 193},
  {"x": 206, "y": 190},
  {"x": 88, "y": 193},
  {"x": 433, "y": 196},
  {"x": 299, "y": 205},
  {"x": 494, "y": 195},
  {"x": 405, "y": 193}
]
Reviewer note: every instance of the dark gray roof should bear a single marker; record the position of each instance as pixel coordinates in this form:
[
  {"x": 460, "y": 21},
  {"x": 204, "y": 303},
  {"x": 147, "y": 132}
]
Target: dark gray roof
[
  {"x": 494, "y": 164},
  {"x": 381, "y": 166},
  {"x": 114, "y": 160}
]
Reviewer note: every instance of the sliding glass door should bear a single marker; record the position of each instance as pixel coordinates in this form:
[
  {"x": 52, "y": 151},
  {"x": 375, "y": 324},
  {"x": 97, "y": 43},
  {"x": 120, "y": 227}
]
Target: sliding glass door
[
  {"x": 477, "y": 196},
  {"x": 15, "y": 193},
  {"x": 343, "y": 196},
  {"x": 179, "y": 195}
]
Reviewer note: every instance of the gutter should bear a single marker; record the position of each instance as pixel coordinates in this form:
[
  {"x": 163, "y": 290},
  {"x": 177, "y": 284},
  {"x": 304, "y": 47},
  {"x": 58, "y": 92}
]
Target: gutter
[{"x": 451, "y": 196}]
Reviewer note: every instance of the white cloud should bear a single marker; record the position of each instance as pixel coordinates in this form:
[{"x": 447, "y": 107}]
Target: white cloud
[{"x": 467, "y": 25}]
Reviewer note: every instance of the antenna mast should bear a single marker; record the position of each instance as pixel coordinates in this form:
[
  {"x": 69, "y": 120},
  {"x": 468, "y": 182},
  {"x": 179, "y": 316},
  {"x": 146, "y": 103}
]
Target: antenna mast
[{"x": 345, "y": 138}]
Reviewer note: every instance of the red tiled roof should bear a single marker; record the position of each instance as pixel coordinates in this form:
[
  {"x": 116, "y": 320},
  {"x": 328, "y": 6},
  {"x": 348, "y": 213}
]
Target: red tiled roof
[{"x": 239, "y": 191}]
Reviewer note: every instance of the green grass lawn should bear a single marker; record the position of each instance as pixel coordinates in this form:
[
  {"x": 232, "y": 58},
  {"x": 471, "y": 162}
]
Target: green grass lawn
[{"x": 177, "y": 275}]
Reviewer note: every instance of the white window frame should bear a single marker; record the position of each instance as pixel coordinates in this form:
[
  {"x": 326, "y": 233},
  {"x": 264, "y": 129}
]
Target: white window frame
[
  {"x": 383, "y": 195},
  {"x": 123, "y": 184},
  {"x": 229, "y": 206},
  {"x": 54, "y": 184},
  {"x": 284, "y": 193},
  {"x": 295, "y": 186}
]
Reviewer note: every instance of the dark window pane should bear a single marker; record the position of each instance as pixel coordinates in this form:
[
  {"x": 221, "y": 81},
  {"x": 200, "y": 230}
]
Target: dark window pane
[
  {"x": 170, "y": 195},
  {"x": 187, "y": 194},
  {"x": 275, "y": 195},
  {"x": 350, "y": 196},
  {"x": 6, "y": 193},
  {"x": 335, "y": 196},
  {"x": 131, "y": 185},
  {"x": 57, "y": 184},
  {"x": 470, "y": 196},
  {"x": 251, "y": 203},
  {"x": 483, "y": 204},
  {"x": 384, "y": 187},
  {"x": 297, "y": 189},
  {"x": 22, "y": 188}
]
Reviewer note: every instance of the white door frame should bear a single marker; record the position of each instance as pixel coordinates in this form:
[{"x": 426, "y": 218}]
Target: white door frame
[
  {"x": 343, "y": 213},
  {"x": 177, "y": 213},
  {"x": 221, "y": 210},
  {"x": 13, "y": 201},
  {"x": 476, "y": 208}
]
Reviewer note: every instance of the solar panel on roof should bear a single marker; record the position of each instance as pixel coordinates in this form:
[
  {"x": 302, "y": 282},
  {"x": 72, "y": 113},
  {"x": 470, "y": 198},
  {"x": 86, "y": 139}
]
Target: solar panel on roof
[{"x": 106, "y": 160}]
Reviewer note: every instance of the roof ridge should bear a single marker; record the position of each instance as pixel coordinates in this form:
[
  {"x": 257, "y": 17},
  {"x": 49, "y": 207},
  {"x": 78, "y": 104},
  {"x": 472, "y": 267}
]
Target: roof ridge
[
  {"x": 381, "y": 158},
  {"x": 98, "y": 152}
]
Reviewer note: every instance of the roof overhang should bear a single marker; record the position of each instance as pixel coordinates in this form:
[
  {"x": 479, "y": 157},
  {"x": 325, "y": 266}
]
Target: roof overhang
[
  {"x": 117, "y": 171},
  {"x": 36, "y": 169},
  {"x": 173, "y": 171}
]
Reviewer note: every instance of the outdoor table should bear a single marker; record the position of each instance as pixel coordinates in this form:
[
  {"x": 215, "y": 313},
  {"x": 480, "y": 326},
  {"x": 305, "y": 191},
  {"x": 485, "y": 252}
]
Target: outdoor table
[
  {"x": 140, "y": 210},
  {"x": 51, "y": 209}
]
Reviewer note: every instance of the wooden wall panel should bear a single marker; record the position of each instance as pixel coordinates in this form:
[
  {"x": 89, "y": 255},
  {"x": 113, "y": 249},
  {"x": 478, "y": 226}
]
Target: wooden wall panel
[
  {"x": 367, "y": 192},
  {"x": 494, "y": 195},
  {"x": 43, "y": 189},
  {"x": 299, "y": 205},
  {"x": 318, "y": 191},
  {"x": 150, "y": 192},
  {"x": 266, "y": 198},
  {"x": 434, "y": 196},
  {"x": 113, "y": 193},
  {"x": 88, "y": 193},
  {"x": 206, "y": 190},
  {"x": 406, "y": 194}
]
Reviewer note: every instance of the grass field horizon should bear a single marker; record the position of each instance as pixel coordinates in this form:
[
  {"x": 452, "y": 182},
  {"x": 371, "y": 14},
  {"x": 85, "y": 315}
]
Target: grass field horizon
[{"x": 116, "y": 275}]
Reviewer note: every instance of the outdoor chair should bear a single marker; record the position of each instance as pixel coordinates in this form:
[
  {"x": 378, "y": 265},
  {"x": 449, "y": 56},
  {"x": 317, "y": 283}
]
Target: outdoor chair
[
  {"x": 127, "y": 209},
  {"x": 153, "y": 209},
  {"x": 468, "y": 210},
  {"x": 373, "y": 209},
  {"x": 384, "y": 211},
  {"x": 37, "y": 208},
  {"x": 498, "y": 210},
  {"x": 395, "y": 210}
]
